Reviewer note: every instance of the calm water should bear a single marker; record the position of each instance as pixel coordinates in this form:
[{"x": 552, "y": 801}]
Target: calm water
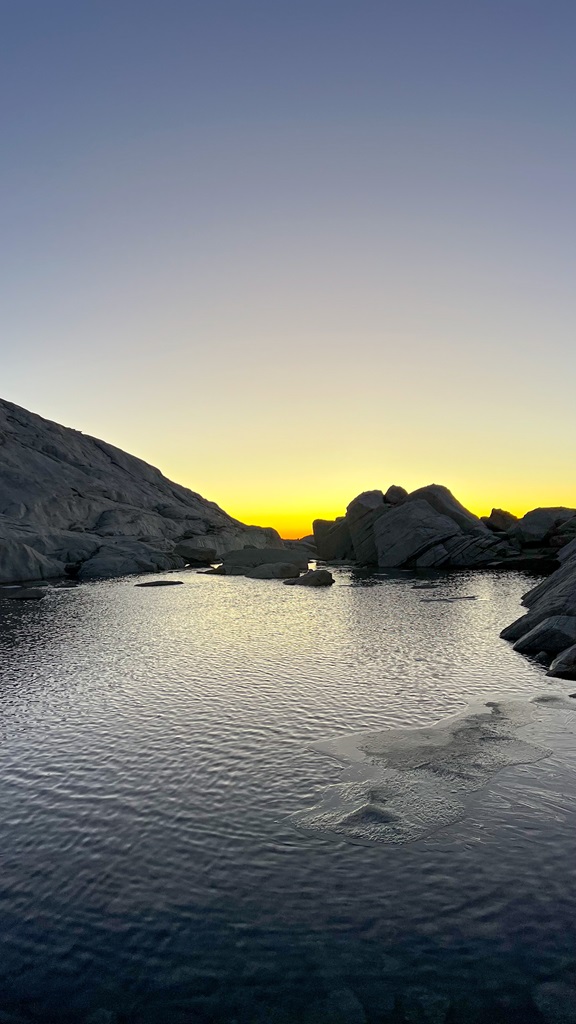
[{"x": 154, "y": 744}]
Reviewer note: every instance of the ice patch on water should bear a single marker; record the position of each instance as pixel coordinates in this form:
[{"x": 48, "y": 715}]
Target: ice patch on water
[{"x": 405, "y": 784}]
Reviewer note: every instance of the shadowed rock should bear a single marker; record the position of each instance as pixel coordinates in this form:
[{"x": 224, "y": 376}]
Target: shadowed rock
[
  {"x": 70, "y": 499},
  {"x": 249, "y": 558},
  {"x": 552, "y": 635},
  {"x": 444, "y": 503},
  {"x": 361, "y": 515},
  {"x": 274, "y": 571},
  {"x": 160, "y": 583},
  {"x": 313, "y": 578},
  {"x": 564, "y": 666},
  {"x": 538, "y": 525},
  {"x": 499, "y": 520},
  {"x": 333, "y": 540}
]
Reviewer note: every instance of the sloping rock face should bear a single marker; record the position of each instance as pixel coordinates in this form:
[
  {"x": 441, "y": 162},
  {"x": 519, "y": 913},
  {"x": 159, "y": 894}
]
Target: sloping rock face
[
  {"x": 413, "y": 534},
  {"x": 499, "y": 520},
  {"x": 443, "y": 501},
  {"x": 361, "y": 516},
  {"x": 539, "y": 525},
  {"x": 551, "y": 604},
  {"x": 70, "y": 500},
  {"x": 333, "y": 540}
]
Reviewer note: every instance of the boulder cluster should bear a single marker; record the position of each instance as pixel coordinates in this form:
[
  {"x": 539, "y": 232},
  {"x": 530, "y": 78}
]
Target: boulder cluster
[
  {"x": 430, "y": 529},
  {"x": 547, "y": 631},
  {"x": 274, "y": 564},
  {"x": 71, "y": 505}
]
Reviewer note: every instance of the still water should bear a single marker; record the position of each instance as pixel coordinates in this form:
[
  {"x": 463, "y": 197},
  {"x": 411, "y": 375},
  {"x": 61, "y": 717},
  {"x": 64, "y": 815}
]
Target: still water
[{"x": 155, "y": 743}]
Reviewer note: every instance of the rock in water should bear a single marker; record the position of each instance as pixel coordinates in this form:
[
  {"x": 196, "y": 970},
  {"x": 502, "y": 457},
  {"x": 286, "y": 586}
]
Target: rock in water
[
  {"x": 67, "y": 499},
  {"x": 313, "y": 578},
  {"x": 161, "y": 583},
  {"x": 551, "y": 616},
  {"x": 564, "y": 666},
  {"x": 248, "y": 558}
]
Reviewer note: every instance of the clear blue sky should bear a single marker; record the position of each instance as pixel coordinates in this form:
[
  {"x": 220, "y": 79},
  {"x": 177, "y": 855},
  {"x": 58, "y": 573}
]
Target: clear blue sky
[{"x": 290, "y": 251}]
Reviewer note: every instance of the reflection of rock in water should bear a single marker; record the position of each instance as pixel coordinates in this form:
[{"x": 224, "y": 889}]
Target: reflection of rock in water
[{"x": 411, "y": 782}]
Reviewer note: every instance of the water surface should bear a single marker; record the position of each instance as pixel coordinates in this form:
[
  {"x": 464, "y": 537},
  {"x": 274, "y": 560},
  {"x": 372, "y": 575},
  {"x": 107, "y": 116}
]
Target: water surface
[{"x": 155, "y": 743}]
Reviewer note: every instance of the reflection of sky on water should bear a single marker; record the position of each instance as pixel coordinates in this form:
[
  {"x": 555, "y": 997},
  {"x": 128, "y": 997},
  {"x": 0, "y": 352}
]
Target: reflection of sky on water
[{"x": 155, "y": 743}]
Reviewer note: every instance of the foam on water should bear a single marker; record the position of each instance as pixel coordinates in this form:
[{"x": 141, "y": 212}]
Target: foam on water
[{"x": 405, "y": 784}]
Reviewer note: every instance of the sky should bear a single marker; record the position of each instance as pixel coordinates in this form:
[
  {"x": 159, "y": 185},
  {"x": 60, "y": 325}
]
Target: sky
[{"x": 291, "y": 251}]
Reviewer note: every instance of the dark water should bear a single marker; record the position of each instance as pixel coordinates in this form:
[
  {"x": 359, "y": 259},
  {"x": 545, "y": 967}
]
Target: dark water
[{"x": 154, "y": 744}]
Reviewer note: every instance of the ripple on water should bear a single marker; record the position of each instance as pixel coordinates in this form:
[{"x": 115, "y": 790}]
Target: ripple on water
[{"x": 155, "y": 743}]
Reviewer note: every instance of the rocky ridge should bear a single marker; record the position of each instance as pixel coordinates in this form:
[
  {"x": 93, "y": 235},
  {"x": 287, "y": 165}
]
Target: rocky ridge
[
  {"x": 430, "y": 529},
  {"x": 73, "y": 505}
]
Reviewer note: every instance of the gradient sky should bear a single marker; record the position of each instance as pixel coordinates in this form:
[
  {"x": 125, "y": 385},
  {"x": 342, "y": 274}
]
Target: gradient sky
[{"x": 289, "y": 251}]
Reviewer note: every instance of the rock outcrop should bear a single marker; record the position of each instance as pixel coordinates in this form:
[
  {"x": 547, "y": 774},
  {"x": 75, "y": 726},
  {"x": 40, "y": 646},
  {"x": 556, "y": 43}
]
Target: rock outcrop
[
  {"x": 361, "y": 516},
  {"x": 70, "y": 503},
  {"x": 430, "y": 529},
  {"x": 499, "y": 520},
  {"x": 550, "y": 622},
  {"x": 333, "y": 540}
]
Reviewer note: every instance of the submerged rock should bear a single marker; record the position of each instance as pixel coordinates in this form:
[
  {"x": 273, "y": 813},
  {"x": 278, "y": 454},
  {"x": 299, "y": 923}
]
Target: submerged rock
[{"x": 160, "y": 583}]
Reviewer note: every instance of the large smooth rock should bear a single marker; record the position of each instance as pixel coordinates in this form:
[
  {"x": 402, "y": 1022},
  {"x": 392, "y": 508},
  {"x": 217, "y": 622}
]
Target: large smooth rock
[
  {"x": 499, "y": 520},
  {"x": 395, "y": 495},
  {"x": 564, "y": 666},
  {"x": 195, "y": 554},
  {"x": 552, "y": 635},
  {"x": 274, "y": 571},
  {"x": 249, "y": 558},
  {"x": 125, "y": 559},
  {"x": 538, "y": 525},
  {"x": 405, "y": 534},
  {"x": 19, "y": 562},
  {"x": 443, "y": 501},
  {"x": 62, "y": 493},
  {"x": 361, "y": 514},
  {"x": 313, "y": 578},
  {"x": 333, "y": 540}
]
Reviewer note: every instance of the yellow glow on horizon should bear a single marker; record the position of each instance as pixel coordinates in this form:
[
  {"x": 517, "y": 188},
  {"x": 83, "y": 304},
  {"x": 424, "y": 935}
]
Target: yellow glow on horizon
[{"x": 295, "y": 521}]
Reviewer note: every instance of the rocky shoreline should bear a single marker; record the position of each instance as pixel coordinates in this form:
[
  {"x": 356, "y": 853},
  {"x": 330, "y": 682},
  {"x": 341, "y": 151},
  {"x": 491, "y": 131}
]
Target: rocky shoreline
[{"x": 73, "y": 507}]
